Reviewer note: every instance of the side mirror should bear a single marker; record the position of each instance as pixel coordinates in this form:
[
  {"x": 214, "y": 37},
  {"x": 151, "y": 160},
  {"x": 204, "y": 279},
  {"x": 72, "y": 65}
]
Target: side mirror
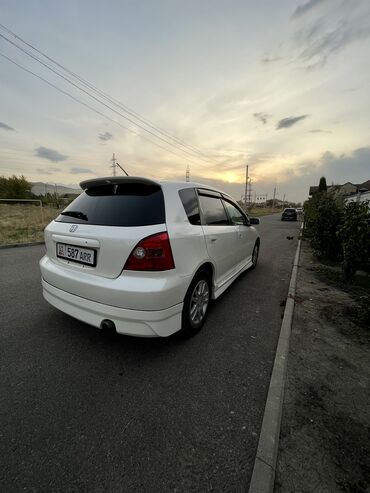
[{"x": 254, "y": 220}]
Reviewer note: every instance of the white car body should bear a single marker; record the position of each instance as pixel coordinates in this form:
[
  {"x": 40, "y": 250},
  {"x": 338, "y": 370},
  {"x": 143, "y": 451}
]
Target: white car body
[{"x": 141, "y": 303}]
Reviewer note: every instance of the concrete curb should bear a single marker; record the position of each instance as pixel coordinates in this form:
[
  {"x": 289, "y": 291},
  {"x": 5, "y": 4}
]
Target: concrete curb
[
  {"x": 263, "y": 476},
  {"x": 16, "y": 245}
]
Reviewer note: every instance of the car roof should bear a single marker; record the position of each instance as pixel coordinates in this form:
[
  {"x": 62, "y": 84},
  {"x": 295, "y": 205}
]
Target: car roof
[{"x": 167, "y": 184}]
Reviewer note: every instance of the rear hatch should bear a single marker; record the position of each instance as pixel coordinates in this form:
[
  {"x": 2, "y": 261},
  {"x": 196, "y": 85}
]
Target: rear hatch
[{"x": 98, "y": 231}]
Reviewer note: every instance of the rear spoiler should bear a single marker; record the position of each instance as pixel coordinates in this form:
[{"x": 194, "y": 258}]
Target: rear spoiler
[{"x": 116, "y": 180}]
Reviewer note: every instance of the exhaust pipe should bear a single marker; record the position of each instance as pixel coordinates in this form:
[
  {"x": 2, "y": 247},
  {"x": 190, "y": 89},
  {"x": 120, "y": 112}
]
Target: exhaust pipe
[{"x": 108, "y": 326}]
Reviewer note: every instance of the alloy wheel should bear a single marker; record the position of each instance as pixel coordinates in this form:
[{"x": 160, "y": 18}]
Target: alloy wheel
[{"x": 199, "y": 302}]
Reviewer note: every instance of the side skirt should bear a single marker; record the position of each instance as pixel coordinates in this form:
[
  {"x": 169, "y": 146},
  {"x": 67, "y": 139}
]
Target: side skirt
[{"x": 218, "y": 290}]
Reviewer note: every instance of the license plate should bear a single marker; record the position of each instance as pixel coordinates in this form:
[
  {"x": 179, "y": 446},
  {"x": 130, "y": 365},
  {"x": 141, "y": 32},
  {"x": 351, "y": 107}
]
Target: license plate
[{"x": 75, "y": 253}]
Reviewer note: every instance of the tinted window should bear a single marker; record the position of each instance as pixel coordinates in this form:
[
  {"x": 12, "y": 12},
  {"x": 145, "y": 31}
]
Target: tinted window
[
  {"x": 117, "y": 205},
  {"x": 190, "y": 202},
  {"x": 213, "y": 211},
  {"x": 235, "y": 215}
]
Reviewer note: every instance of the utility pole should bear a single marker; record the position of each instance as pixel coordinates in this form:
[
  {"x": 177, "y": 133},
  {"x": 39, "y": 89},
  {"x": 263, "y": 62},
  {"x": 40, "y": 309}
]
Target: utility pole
[
  {"x": 273, "y": 200},
  {"x": 114, "y": 164},
  {"x": 187, "y": 178},
  {"x": 249, "y": 191},
  {"x": 246, "y": 185},
  {"x": 283, "y": 200}
]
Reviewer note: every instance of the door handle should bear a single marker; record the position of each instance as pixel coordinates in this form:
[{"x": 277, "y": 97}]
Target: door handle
[{"x": 213, "y": 239}]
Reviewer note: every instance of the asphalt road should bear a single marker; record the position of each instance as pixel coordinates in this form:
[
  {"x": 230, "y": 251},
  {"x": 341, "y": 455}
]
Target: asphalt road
[{"x": 83, "y": 411}]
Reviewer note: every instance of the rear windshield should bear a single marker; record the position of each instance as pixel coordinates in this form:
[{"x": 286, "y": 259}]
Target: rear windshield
[
  {"x": 289, "y": 210},
  {"x": 117, "y": 205}
]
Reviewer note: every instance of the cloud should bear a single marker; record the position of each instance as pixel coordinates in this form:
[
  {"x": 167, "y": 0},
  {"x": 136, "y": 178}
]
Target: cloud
[
  {"x": 76, "y": 170},
  {"x": 262, "y": 117},
  {"x": 106, "y": 136},
  {"x": 50, "y": 154},
  {"x": 318, "y": 43},
  {"x": 319, "y": 131},
  {"x": 353, "y": 167},
  {"x": 289, "y": 121},
  {"x": 47, "y": 171},
  {"x": 4, "y": 126},
  {"x": 270, "y": 60},
  {"x": 306, "y": 7}
]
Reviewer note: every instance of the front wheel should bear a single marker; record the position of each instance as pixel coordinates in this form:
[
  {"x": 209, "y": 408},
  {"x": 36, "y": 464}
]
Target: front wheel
[
  {"x": 255, "y": 253},
  {"x": 196, "y": 304}
]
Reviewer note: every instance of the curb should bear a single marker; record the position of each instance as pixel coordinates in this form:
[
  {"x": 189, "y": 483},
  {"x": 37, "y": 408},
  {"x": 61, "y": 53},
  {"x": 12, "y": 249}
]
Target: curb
[
  {"x": 263, "y": 476},
  {"x": 16, "y": 245}
]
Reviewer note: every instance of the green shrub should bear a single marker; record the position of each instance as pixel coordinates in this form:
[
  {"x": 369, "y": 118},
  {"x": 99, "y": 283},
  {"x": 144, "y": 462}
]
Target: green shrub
[
  {"x": 323, "y": 218},
  {"x": 354, "y": 234}
]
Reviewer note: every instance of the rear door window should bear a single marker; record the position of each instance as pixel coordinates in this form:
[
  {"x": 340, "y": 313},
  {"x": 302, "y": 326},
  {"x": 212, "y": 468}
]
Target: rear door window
[{"x": 117, "y": 205}]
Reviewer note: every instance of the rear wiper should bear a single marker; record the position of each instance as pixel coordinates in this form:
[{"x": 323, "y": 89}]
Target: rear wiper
[{"x": 78, "y": 214}]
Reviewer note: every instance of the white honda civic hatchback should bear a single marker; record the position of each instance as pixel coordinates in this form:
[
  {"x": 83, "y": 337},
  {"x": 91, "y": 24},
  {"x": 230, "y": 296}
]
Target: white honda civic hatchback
[{"x": 145, "y": 257}]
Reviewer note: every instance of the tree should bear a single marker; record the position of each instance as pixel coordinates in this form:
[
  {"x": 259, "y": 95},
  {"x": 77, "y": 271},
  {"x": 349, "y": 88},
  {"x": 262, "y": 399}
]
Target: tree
[
  {"x": 15, "y": 187},
  {"x": 322, "y": 184}
]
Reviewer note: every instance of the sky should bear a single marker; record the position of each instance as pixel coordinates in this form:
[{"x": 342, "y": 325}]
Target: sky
[{"x": 280, "y": 85}]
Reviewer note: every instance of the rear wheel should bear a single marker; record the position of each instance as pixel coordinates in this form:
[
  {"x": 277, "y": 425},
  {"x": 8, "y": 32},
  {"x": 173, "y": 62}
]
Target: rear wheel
[
  {"x": 196, "y": 304},
  {"x": 255, "y": 253}
]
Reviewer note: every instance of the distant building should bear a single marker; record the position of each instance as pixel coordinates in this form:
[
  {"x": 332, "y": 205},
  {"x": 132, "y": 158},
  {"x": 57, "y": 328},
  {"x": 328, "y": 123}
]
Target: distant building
[
  {"x": 345, "y": 190},
  {"x": 261, "y": 199},
  {"x": 359, "y": 197}
]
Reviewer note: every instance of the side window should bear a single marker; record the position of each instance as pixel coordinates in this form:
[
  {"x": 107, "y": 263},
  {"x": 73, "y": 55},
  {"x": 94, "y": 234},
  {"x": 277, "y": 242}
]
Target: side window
[
  {"x": 235, "y": 214},
  {"x": 213, "y": 211},
  {"x": 190, "y": 202}
]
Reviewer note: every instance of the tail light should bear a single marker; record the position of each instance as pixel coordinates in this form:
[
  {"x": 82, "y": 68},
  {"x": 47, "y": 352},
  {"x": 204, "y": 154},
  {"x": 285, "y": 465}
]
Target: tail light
[{"x": 152, "y": 253}]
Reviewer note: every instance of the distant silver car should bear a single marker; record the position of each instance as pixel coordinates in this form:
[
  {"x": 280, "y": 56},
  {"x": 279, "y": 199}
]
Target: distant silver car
[{"x": 145, "y": 257}]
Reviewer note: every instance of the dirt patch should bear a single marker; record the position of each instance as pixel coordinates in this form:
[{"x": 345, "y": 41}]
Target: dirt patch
[{"x": 325, "y": 431}]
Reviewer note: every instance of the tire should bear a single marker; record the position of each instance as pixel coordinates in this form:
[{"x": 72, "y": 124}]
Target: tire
[
  {"x": 196, "y": 304},
  {"x": 255, "y": 253}
]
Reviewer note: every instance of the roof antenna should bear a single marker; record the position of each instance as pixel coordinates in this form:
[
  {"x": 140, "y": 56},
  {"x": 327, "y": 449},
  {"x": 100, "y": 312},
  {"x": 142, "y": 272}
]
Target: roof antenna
[{"x": 117, "y": 164}]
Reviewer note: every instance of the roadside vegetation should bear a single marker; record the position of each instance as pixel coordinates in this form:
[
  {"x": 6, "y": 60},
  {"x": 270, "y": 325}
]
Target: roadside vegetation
[
  {"x": 339, "y": 232},
  {"x": 22, "y": 222},
  {"x": 339, "y": 235}
]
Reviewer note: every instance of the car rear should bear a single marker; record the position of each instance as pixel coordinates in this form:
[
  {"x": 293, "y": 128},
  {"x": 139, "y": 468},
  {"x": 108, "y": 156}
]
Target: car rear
[
  {"x": 109, "y": 258},
  {"x": 289, "y": 214}
]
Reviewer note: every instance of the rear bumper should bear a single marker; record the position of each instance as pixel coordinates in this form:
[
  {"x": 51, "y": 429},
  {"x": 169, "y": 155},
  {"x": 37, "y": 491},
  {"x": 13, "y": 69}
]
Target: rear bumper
[
  {"x": 140, "y": 323},
  {"x": 142, "y": 291}
]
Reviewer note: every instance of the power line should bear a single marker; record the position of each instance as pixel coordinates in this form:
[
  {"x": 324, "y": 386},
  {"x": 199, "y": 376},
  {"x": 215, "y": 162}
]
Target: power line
[
  {"x": 191, "y": 150},
  {"x": 93, "y": 109},
  {"x": 105, "y": 95},
  {"x": 95, "y": 98}
]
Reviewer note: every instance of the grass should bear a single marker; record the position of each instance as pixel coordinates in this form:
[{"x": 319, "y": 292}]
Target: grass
[
  {"x": 263, "y": 211},
  {"x": 21, "y": 223}
]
